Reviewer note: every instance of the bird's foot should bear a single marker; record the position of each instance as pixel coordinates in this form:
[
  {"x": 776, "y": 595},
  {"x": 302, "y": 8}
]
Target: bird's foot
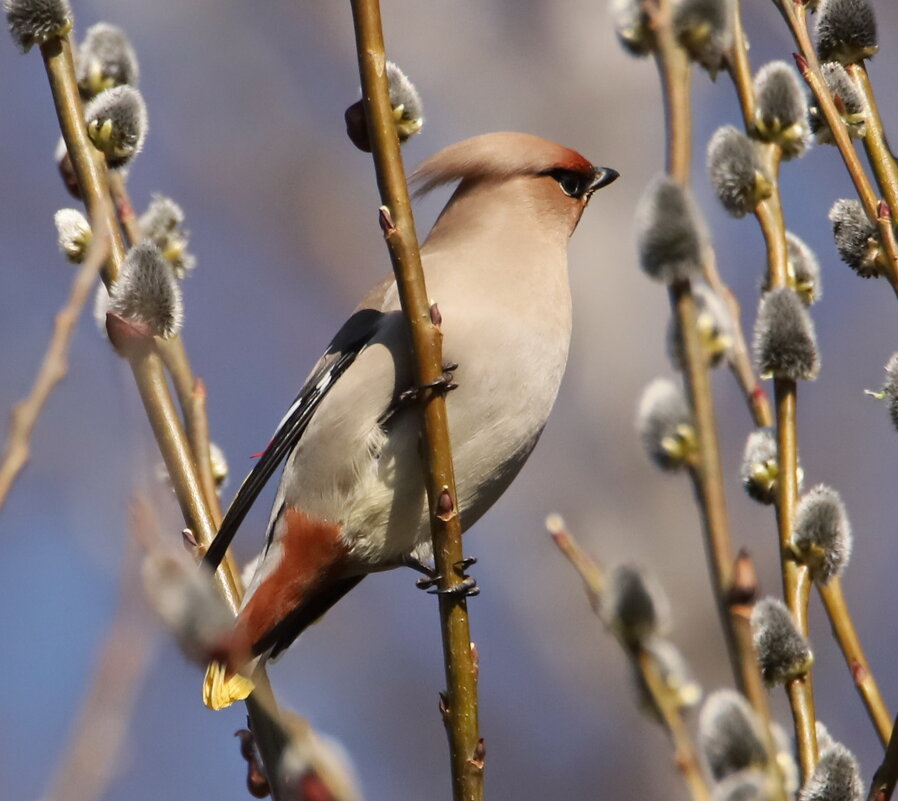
[
  {"x": 421, "y": 567},
  {"x": 442, "y": 385},
  {"x": 466, "y": 587}
]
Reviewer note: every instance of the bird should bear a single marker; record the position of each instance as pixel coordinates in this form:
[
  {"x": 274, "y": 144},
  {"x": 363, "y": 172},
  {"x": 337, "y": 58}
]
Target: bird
[{"x": 352, "y": 498}]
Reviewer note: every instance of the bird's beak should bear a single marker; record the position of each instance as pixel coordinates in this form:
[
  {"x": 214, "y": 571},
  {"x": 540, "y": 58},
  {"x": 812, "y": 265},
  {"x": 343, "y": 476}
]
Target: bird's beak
[{"x": 604, "y": 176}]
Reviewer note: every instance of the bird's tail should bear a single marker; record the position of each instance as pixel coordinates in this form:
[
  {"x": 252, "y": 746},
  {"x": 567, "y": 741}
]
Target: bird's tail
[{"x": 220, "y": 690}]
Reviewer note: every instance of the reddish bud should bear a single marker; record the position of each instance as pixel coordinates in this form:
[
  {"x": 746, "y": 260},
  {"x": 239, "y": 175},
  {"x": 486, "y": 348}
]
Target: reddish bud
[
  {"x": 67, "y": 173},
  {"x": 445, "y": 505},
  {"x": 357, "y": 126},
  {"x": 478, "y": 758},
  {"x": 744, "y": 588}
]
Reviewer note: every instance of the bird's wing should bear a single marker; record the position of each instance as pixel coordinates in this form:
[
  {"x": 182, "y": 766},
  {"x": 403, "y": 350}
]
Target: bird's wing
[{"x": 350, "y": 340}]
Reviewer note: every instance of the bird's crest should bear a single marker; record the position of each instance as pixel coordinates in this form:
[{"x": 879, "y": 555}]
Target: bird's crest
[{"x": 494, "y": 155}]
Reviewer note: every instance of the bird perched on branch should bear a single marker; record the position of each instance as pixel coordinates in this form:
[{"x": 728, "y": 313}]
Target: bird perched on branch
[{"x": 352, "y": 498}]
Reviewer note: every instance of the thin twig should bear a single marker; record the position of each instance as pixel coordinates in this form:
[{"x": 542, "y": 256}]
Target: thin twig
[
  {"x": 465, "y": 744},
  {"x": 189, "y": 389},
  {"x": 881, "y": 159},
  {"x": 53, "y": 369},
  {"x": 124, "y": 209},
  {"x": 686, "y": 753},
  {"x": 87, "y": 162},
  {"x": 146, "y": 365},
  {"x": 886, "y": 777},
  {"x": 645, "y": 663},
  {"x": 796, "y": 579},
  {"x": 740, "y": 70},
  {"x": 809, "y": 67},
  {"x": 707, "y": 474},
  {"x": 844, "y": 631},
  {"x": 738, "y": 357},
  {"x": 99, "y": 733}
]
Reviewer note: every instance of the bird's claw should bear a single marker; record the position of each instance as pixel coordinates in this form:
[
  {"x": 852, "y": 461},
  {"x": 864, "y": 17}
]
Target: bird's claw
[
  {"x": 427, "y": 582},
  {"x": 465, "y": 588},
  {"x": 441, "y": 385}
]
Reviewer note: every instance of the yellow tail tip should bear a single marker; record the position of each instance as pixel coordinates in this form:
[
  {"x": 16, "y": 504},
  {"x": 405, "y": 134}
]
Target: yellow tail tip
[{"x": 220, "y": 691}]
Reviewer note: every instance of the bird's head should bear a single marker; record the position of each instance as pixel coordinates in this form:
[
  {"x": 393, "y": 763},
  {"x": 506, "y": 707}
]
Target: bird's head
[{"x": 516, "y": 171}]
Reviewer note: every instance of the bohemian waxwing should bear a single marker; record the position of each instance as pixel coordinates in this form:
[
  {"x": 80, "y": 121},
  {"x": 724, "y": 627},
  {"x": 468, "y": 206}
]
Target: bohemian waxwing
[{"x": 352, "y": 498}]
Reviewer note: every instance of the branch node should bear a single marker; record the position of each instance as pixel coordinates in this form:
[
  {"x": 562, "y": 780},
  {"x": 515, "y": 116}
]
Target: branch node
[
  {"x": 445, "y": 506},
  {"x": 386, "y": 222},
  {"x": 188, "y": 540},
  {"x": 478, "y": 758}
]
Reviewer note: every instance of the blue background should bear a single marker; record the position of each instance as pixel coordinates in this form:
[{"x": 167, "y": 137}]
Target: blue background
[{"x": 246, "y": 132}]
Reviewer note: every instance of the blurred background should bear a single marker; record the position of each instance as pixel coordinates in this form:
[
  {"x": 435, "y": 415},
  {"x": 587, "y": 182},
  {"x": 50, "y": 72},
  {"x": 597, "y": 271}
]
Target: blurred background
[{"x": 246, "y": 132}]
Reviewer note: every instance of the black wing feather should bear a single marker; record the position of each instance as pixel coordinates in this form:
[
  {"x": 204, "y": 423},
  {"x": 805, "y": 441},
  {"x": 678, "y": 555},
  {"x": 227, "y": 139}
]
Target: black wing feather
[{"x": 346, "y": 346}]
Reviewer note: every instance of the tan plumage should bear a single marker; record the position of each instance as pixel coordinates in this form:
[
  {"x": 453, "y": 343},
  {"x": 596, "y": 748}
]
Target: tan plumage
[{"x": 352, "y": 500}]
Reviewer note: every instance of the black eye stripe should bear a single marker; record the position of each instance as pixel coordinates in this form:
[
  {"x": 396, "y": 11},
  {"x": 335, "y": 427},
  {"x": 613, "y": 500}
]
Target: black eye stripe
[{"x": 574, "y": 184}]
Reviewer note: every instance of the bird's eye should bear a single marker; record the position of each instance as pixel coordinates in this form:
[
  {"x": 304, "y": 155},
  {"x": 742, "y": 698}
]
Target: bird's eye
[{"x": 573, "y": 184}]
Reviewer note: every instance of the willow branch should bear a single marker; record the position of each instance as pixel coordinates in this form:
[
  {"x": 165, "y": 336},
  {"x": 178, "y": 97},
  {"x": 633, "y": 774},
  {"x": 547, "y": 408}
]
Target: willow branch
[
  {"x": 87, "y": 162},
  {"x": 190, "y": 390},
  {"x": 90, "y": 171},
  {"x": 886, "y": 777},
  {"x": 738, "y": 358},
  {"x": 878, "y": 153},
  {"x": 53, "y": 369},
  {"x": 646, "y": 664},
  {"x": 796, "y": 578},
  {"x": 707, "y": 474},
  {"x": 686, "y": 754},
  {"x": 465, "y": 744},
  {"x": 844, "y": 631},
  {"x": 809, "y": 67},
  {"x": 739, "y": 69}
]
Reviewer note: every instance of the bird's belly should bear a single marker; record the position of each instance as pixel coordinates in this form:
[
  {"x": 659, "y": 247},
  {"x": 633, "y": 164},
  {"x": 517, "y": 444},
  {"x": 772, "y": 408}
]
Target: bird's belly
[{"x": 495, "y": 418}]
